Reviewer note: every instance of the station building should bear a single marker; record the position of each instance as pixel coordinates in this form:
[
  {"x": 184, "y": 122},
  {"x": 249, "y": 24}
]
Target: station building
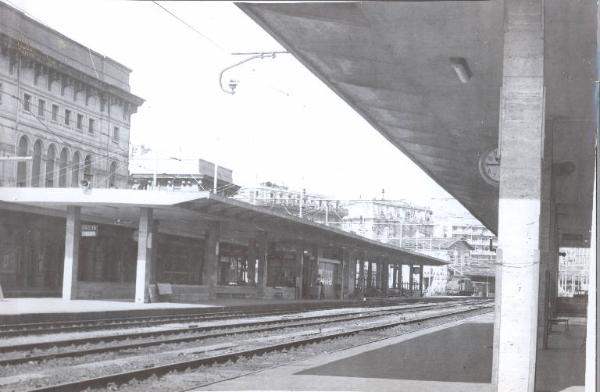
[
  {"x": 65, "y": 115},
  {"x": 124, "y": 244}
]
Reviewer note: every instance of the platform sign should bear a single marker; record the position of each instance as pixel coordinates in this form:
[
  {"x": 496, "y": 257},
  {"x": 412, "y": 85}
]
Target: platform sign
[{"x": 89, "y": 230}]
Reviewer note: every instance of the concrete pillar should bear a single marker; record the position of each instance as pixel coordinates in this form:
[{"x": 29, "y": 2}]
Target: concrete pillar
[
  {"x": 378, "y": 276},
  {"x": 411, "y": 279},
  {"x": 395, "y": 276},
  {"x": 299, "y": 271},
  {"x": 211, "y": 258},
  {"x": 548, "y": 243},
  {"x": 343, "y": 271},
  {"x": 521, "y": 148},
  {"x": 385, "y": 277},
  {"x": 350, "y": 272},
  {"x": 263, "y": 256},
  {"x": 251, "y": 260},
  {"x": 143, "y": 271},
  {"x": 369, "y": 274},
  {"x": 153, "y": 256},
  {"x": 421, "y": 280},
  {"x": 592, "y": 382},
  {"x": 401, "y": 279},
  {"x": 71, "y": 263},
  {"x": 361, "y": 274}
]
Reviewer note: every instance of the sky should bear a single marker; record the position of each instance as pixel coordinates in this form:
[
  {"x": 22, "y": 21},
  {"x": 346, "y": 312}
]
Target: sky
[{"x": 282, "y": 125}]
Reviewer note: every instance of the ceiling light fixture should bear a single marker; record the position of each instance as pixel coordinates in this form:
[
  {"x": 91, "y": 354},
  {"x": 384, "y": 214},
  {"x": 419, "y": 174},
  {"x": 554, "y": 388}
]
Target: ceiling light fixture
[{"x": 461, "y": 67}]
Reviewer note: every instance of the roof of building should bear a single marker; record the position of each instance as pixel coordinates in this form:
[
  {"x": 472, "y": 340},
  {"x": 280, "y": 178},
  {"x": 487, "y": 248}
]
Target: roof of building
[
  {"x": 482, "y": 270},
  {"x": 186, "y": 214},
  {"x": 435, "y": 243},
  {"x": 65, "y": 51}
]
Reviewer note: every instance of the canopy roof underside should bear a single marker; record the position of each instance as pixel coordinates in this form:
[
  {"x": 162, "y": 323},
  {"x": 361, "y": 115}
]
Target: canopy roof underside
[{"x": 390, "y": 61}]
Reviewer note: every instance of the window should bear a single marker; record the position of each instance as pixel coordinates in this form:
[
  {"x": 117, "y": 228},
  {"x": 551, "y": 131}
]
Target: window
[
  {"x": 116, "y": 134},
  {"x": 67, "y": 117},
  {"x": 41, "y": 107},
  {"x": 79, "y": 121},
  {"x": 27, "y": 103},
  {"x": 54, "y": 112},
  {"x": 91, "y": 126}
]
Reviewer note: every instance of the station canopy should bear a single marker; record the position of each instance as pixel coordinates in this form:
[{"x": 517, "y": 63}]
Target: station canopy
[
  {"x": 395, "y": 64},
  {"x": 189, "y": 214}
]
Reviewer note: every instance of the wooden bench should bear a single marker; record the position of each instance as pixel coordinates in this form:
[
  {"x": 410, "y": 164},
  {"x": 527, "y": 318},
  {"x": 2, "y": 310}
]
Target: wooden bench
[
  {"x": 558, "y": 320},
  {"x": 165, "y": 290}
]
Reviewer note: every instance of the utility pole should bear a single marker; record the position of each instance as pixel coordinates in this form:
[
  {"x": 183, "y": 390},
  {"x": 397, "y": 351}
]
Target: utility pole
[{"x": 326, "y": 213}]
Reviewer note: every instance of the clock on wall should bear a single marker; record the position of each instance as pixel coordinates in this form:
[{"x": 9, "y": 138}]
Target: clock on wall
[{"x": 489, "y": 166}]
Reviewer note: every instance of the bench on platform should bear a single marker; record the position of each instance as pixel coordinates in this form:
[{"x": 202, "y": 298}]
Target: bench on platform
[
  {"x": 164, "y": 290},
  {"x": 556, "y": 321}
]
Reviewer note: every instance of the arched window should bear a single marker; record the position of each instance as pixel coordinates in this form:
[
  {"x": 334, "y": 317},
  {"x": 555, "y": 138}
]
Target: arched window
[
  {"x": 75, "y": 170},
  {"x": 87, "y": 168},
  {"x": 62, "y": 168},
  {"x": 22, "y": 165},
  {"x": 112, "y": 175},
  {"x": 50, "y": 158},
  {"x": 36, "y": 170}
]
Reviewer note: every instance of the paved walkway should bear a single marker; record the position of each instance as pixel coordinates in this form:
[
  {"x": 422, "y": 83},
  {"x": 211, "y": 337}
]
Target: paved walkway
[
  {"x": 455, "y": 357},
  {"x": 320, "y": 373}
]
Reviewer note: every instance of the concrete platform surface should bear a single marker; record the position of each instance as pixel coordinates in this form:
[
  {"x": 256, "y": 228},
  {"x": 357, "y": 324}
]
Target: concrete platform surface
[
  {"x": 17, "y": 306},
  {"x": 300, "y": 376},
  {"x": 451, "y": 358}
]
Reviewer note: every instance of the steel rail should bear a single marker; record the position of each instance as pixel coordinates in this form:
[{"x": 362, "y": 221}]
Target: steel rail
[
  {"x": 71, "y": 326},
  {"x": 174, "y": 331},
  {"x": 286, "y": 324},
  {"x": 141, "y": 374}
]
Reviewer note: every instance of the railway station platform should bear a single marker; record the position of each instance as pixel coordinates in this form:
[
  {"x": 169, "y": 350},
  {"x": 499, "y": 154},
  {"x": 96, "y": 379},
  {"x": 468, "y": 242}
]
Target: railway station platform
[
  {"x": 28, "y": 310},
  {"x": 452, "y": 357}
]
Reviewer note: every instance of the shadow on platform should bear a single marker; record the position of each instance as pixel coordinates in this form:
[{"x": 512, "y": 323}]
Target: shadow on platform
[
  {"x": 458, "y": 354},
  {"x": 462, "y": 354}
]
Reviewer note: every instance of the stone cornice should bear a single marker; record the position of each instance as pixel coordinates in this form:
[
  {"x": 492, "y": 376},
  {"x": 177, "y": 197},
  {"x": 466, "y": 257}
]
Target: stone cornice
[{"x": 58, "y": 70}]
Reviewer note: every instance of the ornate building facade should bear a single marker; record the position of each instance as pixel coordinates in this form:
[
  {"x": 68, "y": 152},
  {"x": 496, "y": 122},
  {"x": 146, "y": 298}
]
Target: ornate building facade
[
  {"x": 65, "y": 114},
  {"x": 65, "y": 110}
]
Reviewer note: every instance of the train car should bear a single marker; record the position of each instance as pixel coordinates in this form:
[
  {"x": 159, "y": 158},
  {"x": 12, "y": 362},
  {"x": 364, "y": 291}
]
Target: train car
[{"x": 459, "y": 285}]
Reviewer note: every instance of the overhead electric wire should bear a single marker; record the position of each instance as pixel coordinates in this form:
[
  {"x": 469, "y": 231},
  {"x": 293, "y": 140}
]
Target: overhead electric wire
[{"x": 191, "y": 27}]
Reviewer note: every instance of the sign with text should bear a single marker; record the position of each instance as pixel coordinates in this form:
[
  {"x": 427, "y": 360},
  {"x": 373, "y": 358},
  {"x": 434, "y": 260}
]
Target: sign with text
[{"x": 88, "y": 230}]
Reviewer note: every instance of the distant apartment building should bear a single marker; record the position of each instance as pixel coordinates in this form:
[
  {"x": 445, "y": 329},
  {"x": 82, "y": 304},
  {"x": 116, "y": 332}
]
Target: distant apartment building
[
  {"x": 65, "y": 110},
  {"x": 389, "y": 221},
  {"x": 149, "y": 171},
  {"x": 297, "y": 202},
  {"x": 483, "y": 241}
]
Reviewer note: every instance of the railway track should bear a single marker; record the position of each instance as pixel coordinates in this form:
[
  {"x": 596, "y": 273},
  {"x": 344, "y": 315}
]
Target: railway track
[
  {"x": 271, "y": 325},
  {"x": 249, "y": 350},
  {"x": 49, "y": 327}
]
